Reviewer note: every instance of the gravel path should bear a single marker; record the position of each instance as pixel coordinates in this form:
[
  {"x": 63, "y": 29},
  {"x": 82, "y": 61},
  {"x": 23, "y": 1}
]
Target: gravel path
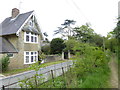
[{"x": 114, "y": 73}]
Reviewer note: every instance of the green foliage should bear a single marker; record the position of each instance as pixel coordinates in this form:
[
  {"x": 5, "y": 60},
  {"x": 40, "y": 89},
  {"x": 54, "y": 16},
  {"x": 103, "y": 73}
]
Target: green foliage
[
  {"x": 83, "y": 33},
  {"x": 92, "y": 65},
  {"x": 111, "y": 44},
  {"x": 70, "y": 44},
  {"x": 46, "y": 49},
  {"x": 5, "y": 62},
  {"x": 34, "y": 81},
  {"x": 90, "y": 69},
  {"x": 89, "y": 58},
  {"x": 87, "y": 35},
  {"x": 41, "y": 57},
  {"x": 96, "y": 80},
  {"x": 57, "y": 45},
  {"x": 117, "y": 31},
  {"x": 97, "y": 40}
]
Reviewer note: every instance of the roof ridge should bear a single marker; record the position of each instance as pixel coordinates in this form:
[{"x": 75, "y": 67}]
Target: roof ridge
[
  {"x": 27, "y": 12},
  {"x": 13, "y": 27}
]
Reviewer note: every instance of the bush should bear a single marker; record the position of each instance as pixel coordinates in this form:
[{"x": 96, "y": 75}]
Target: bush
[{"x": 5, "y": 62}]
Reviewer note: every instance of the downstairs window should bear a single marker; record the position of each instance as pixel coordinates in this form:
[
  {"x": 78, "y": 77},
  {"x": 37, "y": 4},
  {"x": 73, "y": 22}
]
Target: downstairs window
[{"x": 30, "y": 57}]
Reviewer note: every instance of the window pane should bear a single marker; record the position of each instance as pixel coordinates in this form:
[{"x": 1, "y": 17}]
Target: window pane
[
  {"x": 27, "y": 59},
  {"x": 10, "y": 54},
  {"x": 32, "y": 59},
  {"x": 27, "y": 37},
  {"x": 35, "y": 39},
  {"x": 27, "y": 53},
  {"x": 35, "y": 58},
  {"x": 31, "y": 53},
  {"x": 31, "y": 38}
]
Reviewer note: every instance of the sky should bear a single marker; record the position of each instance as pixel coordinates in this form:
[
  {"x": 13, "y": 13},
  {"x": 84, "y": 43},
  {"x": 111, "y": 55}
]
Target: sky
[{"x": 101, "y": 14}]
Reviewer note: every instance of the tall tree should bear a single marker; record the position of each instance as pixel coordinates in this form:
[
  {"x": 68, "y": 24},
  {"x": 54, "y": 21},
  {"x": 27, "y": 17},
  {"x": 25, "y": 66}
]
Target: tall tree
[
  {"x": 66, "y": 30},
  {"x": 83, "y": 33},
  {"x": 46, "y": 39}
]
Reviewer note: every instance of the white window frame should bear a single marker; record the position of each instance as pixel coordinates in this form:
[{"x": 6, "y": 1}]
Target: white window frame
[
  {"x": 34, "y": 55},
  {"x": 30, "y": 34}
]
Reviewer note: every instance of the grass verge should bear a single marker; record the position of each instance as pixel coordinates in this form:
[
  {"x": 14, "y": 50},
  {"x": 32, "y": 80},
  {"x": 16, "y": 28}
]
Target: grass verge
[{"x": 16, "y": 71}]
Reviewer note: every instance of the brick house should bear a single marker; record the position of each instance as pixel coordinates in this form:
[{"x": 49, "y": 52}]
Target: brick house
[{"x": 20, "y": 39}]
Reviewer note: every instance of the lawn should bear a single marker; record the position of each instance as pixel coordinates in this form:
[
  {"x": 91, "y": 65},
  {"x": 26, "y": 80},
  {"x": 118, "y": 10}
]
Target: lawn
[{"x": 16, "y": 71}]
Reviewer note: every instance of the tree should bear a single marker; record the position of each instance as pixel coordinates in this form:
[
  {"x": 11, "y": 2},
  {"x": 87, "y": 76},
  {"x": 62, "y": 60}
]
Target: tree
[
  {"x": 46, "y": 39},
  {"x": 66, "y": 30},
  {"x": 70, "y": 45},
  {"x": 57, "y": 45},
  {"x": 46, "y": 49},
  {"x": 84, "y": 33},
  {"x": 97, "y": 40},
  {"x": 117, "y": 35},
  {"x": 111, "y": 44},
  {"x": 117, "y": 31}
]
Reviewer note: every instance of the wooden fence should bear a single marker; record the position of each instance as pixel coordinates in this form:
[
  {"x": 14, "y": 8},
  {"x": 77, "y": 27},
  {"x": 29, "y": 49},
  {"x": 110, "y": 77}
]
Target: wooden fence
[{"x": 53, "y": 71}]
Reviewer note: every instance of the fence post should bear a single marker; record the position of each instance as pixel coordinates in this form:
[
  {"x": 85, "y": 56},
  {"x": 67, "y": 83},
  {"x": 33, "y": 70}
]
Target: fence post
[
  {"x": 70, "y": 68},
  {"x": 3, "y": 87},
  {"x": 63, "y": 71},
  {"x": 52, "y": 77}
]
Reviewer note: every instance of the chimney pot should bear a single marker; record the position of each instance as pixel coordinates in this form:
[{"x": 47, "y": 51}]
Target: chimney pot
[{"x": 15, "y": 12}]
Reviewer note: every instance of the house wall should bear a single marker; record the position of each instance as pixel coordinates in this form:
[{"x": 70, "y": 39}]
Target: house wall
[
  {"x": 17, "y": 61},
  {"x": 2, "y": 55}
]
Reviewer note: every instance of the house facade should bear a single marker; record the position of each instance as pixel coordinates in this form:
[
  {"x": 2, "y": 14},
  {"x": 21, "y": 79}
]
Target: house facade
[{"x": 21, "y": 39}]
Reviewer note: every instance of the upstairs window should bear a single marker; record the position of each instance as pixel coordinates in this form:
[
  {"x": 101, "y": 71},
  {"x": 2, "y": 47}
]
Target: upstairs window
[{"x": 30, "y": 37}]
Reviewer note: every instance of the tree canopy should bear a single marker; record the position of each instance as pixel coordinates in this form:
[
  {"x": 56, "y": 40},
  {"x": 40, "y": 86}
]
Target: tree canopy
[
  {"x": 57, "y": 45},
  {"x": 65, "y": 29},
  {"x": 83, "y": 33}
]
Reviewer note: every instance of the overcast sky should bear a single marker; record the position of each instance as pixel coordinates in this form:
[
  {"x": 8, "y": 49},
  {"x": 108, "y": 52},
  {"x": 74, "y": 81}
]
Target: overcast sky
[{"x": 101, "y": 14}]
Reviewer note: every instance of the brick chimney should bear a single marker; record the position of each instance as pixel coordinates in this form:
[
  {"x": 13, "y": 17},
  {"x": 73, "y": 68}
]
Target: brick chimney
[{"x": 15, "y": 12}]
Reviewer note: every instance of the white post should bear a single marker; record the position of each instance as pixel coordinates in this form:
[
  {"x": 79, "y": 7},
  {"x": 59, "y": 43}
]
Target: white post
[
  {"x": 68, "y": 54},
  {"x": 62, "y": 55}
]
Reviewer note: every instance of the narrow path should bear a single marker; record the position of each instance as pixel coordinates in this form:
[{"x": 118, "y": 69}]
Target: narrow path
[{"x": 114, "y": 73}]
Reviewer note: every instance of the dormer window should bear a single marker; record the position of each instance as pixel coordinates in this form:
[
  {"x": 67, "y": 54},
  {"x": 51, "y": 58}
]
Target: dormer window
[{"x": 31, "y": 22}]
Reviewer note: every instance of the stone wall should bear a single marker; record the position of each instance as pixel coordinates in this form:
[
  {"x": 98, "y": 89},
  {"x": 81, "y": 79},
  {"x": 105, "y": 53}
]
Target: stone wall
[{"x": 52, "y": 58}]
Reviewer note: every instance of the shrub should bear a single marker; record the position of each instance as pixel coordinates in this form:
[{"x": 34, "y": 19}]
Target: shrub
[{"x": 5, "y": 62}]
